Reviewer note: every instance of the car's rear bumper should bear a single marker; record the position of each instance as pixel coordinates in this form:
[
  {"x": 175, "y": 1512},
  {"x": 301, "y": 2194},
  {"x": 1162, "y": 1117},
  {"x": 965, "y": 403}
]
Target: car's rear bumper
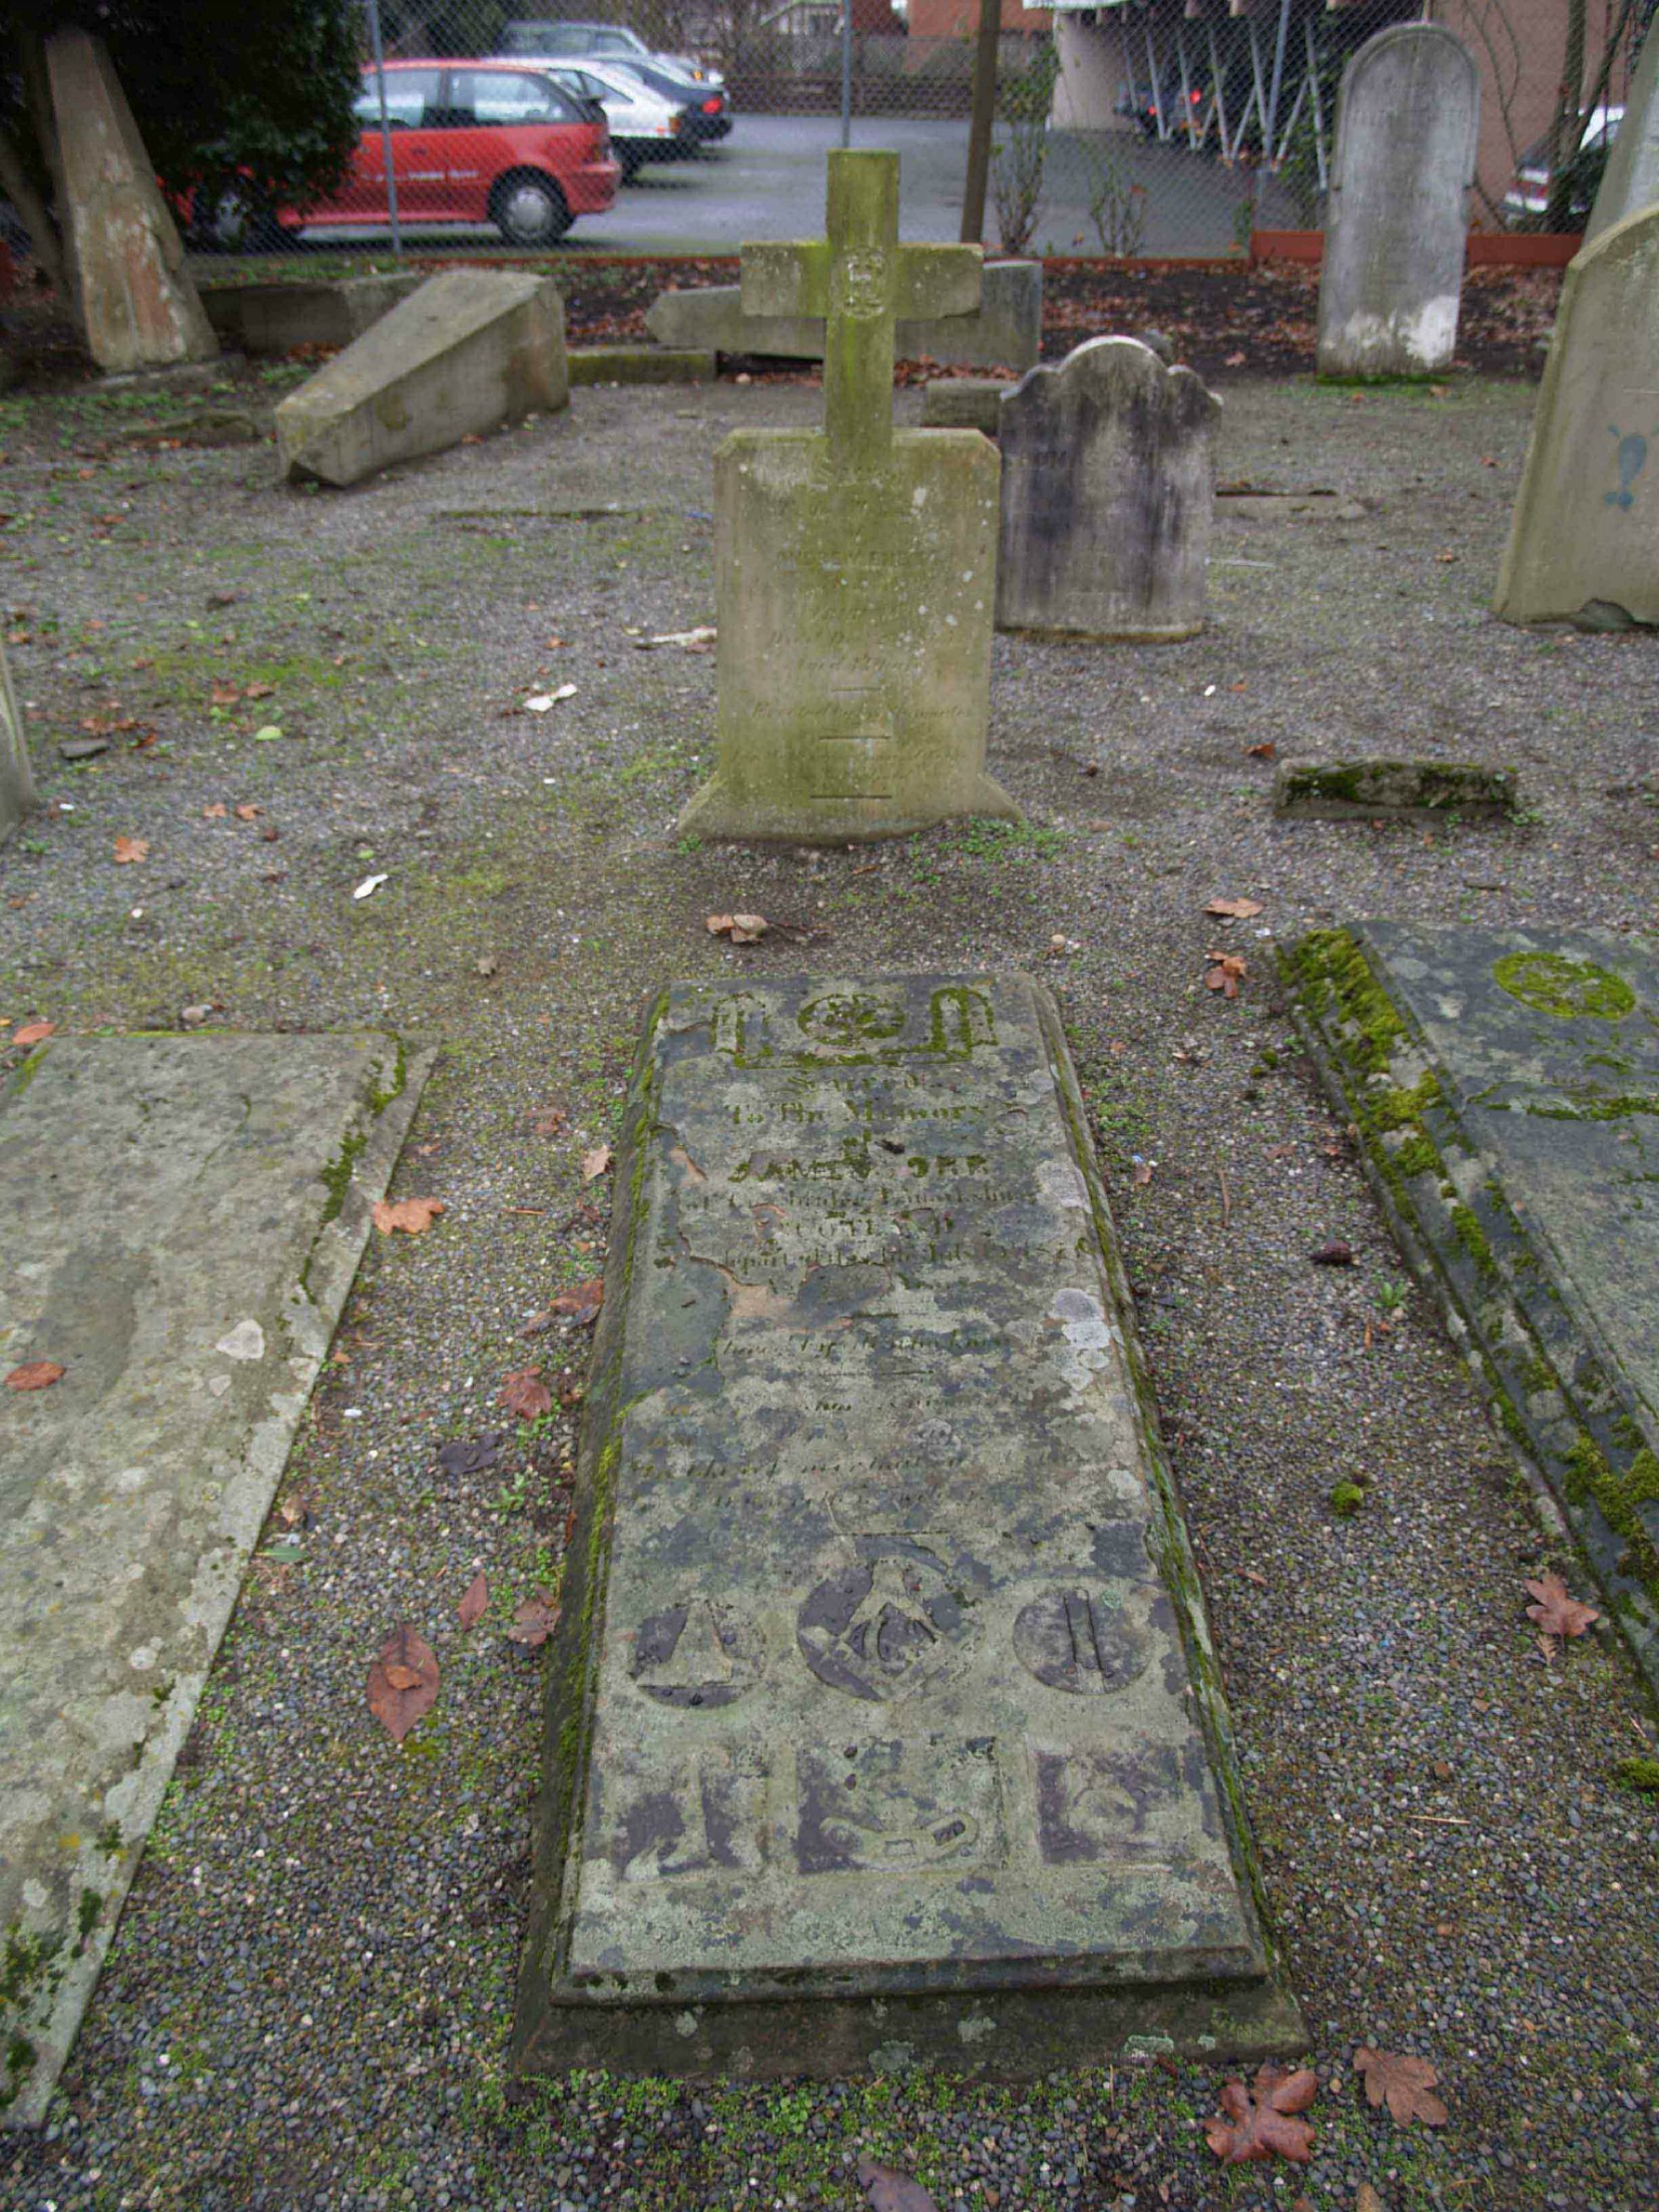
[{"x": 592, "y": 188}]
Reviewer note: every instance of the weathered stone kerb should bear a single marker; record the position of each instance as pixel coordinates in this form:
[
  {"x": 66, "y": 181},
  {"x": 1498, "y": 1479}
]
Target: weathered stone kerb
[{"x": 884, "y": 1726}]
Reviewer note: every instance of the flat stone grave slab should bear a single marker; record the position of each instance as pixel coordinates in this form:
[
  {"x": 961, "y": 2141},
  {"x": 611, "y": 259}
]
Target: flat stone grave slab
[
  {"x": 884, "y": 1726},
  {"x": 179, "y": 1222},
  {"x": 1506, "y": 1084},
  {"x": 1420, "y": 791}
]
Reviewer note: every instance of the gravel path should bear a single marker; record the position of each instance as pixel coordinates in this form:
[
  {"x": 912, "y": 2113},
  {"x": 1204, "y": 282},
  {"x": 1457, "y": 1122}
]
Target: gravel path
[{"x": 307, "y": 2003}]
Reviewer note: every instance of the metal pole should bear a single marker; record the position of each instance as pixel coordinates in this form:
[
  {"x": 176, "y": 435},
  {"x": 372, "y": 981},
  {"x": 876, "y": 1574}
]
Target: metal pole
[
  {"x": 847, "y": 72},
  {"x": 1319, "y": 107},
  {"x": 981, "y": 122},
  {"x": 378, "y": 52},
  {"x": 1278, "y": 82}
]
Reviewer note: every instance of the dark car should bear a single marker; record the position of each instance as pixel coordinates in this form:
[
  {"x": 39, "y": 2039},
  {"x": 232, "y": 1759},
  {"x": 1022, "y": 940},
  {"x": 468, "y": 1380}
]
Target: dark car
[{"x": 708, "y": 113}]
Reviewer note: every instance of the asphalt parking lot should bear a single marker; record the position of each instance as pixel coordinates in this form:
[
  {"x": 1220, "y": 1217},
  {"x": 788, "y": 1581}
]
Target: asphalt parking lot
[{"x": 766, "y": 182}]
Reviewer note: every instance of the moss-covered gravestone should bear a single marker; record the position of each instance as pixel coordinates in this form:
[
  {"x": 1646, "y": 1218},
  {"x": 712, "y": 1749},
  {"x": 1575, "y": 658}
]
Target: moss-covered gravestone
[
  {"x": 855, "y": 566},
  {"x": 882, "y": 1724}
]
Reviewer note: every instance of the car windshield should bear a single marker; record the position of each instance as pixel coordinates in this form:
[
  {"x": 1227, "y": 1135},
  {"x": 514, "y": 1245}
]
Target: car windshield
[{"x": 543, "y": 38}]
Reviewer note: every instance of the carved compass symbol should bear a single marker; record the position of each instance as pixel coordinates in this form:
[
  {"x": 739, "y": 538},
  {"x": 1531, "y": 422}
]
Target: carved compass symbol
[{"x": 883, "y": 1628}]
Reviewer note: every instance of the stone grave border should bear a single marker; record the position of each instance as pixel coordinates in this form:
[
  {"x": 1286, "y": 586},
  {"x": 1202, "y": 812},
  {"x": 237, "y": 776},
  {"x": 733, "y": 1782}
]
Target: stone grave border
[
  {"x": 1547, "y": 1386},
  {"x": 1048, "y": 2028}
]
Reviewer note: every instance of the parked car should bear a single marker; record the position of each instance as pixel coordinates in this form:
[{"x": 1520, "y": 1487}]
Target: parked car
[
  {"x": 1139, "y": 104},
  {"x": 471, "y": 142},
  {"x": 1526, "y": 203},
  {"x": 644, "y": 126},
  {"x": 710, "y": 113},
  {"x": 613, "y": 41}
]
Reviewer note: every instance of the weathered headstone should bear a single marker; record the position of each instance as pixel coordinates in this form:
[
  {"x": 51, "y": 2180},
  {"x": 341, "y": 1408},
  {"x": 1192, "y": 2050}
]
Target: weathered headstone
[
  {"x": 1630, "y": 181},
  {"x": 1584, "y": 536},
  {"x": 471, "y": 349},
  {"x": 1002, "y": 328},
  {"x": 855, "y": 566},
  {"x": 1108, "y": 496},
  {"x": 189, "y": 1301},
  {"x": 138, "y": 303},
  {"x": 1506, "y": 1088},
  {"x": 17, "y": 784},
  {"x": 1396, "y": 225},
  {"x": 874, "y": 1734},
  {"x": 278, "y": 317}
]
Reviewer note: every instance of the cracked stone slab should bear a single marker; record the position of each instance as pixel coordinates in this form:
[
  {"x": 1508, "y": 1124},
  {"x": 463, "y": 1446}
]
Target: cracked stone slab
[
  {"x": 1506, "y": 1084},
  {"x": 884, "y": 1726},
  {"x": 179, "y": 1222}
]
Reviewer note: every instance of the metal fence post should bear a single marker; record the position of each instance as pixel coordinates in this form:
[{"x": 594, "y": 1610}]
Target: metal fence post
[
  {"x": 847, "y": 72},
  {"x": 379, "y": 51}
]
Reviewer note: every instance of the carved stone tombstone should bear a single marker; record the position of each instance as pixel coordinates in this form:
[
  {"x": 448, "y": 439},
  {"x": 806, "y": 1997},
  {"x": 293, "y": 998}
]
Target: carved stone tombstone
[
  {"x": 880, "y": 1726},
  {"x": 138, "y": 303},
  {"x": 1397, "y": 226},
  {"x": 17, "y": 785},
  {"x": 855, "y": 566},
  {"x": 1630, "y": 182},
  {"x": 1108, "y": 496},
  {"x": 1584, "y": 537}
]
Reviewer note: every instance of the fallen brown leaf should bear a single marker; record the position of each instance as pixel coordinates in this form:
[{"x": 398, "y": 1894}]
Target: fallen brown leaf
[
  {"x": 35, "y": 1375},
  {"x": 1333, "y": 1254},
  {"x": 1368, "y": 2200},
  {"x": 1259, "y": 2122},
  {"x": 1265, "y": 751},
  {"x": 583, "y": 1302},
  {"x": 34, "y": 1033},
  {"x": 1234, "y": 910},
  {"x": 248, "y": 814},
  {"x": 216, "y": 812},
  {"x": 534, "y": 1619},
  {"x": 404, "y": 1682},
  {"x": 258, "y": 691},
  {"x": 414, "y": 1216},
  {"x": 1556, "y": 1613},
  {"x": 131, "y": 849},
  {"x": 524, "y": 1394},
  {"x": 1227, "y": 973},
  {"x": 746, "y": 928},
  {"x": 889, "y": 2190},
  {"x": 595, "y": 1163},
  {"x": 550, "y": 1121},
  {"x": 1404, "y": 2081},
  {"x": 475, "y": 1597}
]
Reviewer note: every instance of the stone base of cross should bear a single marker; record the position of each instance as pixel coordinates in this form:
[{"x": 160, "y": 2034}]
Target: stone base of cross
[{"x": 863, "y": 282}]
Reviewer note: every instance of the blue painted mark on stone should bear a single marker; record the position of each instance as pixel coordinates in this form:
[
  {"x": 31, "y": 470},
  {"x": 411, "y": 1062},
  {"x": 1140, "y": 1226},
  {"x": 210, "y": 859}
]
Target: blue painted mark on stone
[{"x": 1632, "y": 461}]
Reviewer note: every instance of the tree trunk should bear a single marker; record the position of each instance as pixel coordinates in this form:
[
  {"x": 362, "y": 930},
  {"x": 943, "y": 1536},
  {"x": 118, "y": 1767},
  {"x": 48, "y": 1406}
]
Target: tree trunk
[{"x": 1569, "y": 127}]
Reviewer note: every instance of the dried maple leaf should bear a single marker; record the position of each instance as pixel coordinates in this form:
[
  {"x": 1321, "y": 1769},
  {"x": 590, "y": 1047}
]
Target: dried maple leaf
[
  {"x": 595, "y": 1163},
  {"x": 216, "y": 812},
  {"x": 475, "y": 1597},
  {"x": 248, "y": 814},
  {"x": 34, "y": 1033},
  {"x": 1234, "y": 910},
  {"x": 225, "y": 695},
  {"x": 1227, "y": 973},
  {"x": 1556, "y": 1613},
  {"x": 717, "y": 924},
  {"x": 525, "y": 1395},
  {"x": 584, "y": 1302},
  {"x": 550, "y": 1121},
  {"x": 1333, "y": 1254},
  {"x": 131, "y": 849},
  {"x": 1259, "y": 2122},
  {"x": 534, "y": 1619},
  {"x": 404, "y": 1682},
  {"x": 414, "y": 1216},
  {"x": 1404, "y": 2081},
  {"x": 35, "y": 1375},
  {"x": 889, "y": 2190}
]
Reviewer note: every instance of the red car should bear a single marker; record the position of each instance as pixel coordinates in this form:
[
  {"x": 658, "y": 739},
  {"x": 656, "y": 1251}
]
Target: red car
[{"x": 475, "y": 142}]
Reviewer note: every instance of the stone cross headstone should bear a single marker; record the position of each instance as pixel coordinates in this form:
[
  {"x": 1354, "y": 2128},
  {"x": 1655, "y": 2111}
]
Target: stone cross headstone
[
  {"x": 1630, "y": 182},
  {"x": 138, "y": 303},
  {"x": 1395, "y": 230},
  {"x": 1584, "y": 536},
  {"x": 1108, "y": 496},
  {"x": 17, "y": 787},
  {"x": 877, "y": 1733},
  {"x": 855, "y": 566}
]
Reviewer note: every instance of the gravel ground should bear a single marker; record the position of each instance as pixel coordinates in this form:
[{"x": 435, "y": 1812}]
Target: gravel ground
[{"x": 308, "y": 1999}]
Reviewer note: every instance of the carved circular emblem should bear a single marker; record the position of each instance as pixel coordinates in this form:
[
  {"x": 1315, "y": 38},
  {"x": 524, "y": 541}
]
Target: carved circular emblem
[
  {"x": 859, "y": 285},
  {"x": 1082, "y": 1640},
  {"x": 881, "y": 1629},
  {"x": 1551, "y": 983},
  {"x": 850, "y": 1019},
  {"x": 698, "y": 1654}
]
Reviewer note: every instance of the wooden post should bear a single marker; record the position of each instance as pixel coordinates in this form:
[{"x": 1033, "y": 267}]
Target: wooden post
[{"x": 979, "y": 127}]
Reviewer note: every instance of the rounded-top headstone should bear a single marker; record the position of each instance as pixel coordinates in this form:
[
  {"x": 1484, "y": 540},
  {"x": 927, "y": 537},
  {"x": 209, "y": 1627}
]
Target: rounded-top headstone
[{"x": 1395, "y": 236}]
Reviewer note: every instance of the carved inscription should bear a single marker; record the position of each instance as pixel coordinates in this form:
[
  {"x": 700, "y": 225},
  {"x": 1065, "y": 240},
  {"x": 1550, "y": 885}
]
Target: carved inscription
[{"x": 898, "y": 1808}]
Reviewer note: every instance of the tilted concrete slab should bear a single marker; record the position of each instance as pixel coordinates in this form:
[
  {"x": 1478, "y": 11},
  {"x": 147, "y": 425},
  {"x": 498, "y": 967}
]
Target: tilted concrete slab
[
  {"x": 884, "y": 1726},
  {"x": 1506, "y": 1084},
  {"x": 471, "y": 349},
  {"x": 179, "y": 1222},
  {"x": 274, "y": 318},
  {"x": 1003, "y": 332}
]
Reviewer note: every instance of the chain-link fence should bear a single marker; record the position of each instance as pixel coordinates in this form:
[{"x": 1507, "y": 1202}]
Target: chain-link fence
[{"x": 1148, "y": 128}]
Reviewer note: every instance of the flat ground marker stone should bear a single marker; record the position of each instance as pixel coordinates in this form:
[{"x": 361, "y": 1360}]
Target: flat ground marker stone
[
  {"x": 1108, "y": 497},
  {"x": 855, "y": 567},
  {"x": 1349, "y": 790},
  {"x": 471, "y": 349},
  {"x": 17, "y": 783},
  {"x": 1505, "y": 1085},
  {"x": 884, "y": 1727},
  {"x": 1584, "y": 536},
  {"x": 179, "y": 1222},
  {"x": 1395, "y": 231}
]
